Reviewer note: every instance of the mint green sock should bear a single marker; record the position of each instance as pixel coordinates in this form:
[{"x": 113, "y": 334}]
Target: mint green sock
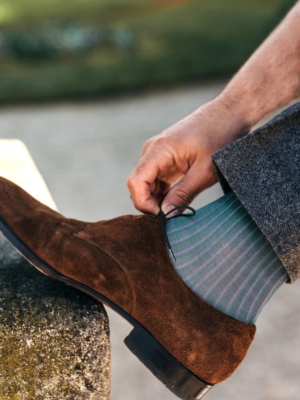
[{"x": 225, "y": 259}]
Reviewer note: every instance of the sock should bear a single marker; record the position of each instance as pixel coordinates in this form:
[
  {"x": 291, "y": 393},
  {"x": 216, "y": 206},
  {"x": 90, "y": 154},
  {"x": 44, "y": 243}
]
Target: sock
[{"x": 225, "y": 259}]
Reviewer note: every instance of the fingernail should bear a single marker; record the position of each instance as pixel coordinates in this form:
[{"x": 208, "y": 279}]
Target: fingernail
[{"x": 170, "y": 208}]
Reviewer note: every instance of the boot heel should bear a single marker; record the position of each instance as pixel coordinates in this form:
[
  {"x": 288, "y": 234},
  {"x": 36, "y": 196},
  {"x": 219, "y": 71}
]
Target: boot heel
[{"x": 164, "y": 366}]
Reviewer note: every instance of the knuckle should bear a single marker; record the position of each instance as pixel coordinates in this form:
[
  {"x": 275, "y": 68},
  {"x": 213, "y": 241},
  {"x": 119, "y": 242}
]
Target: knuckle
[
  {"x": 159, "y": 141},
  {"x": 129, "y": 182},
  {"x": 147, "y": 143},
  {"x": 186, "y": 197}
]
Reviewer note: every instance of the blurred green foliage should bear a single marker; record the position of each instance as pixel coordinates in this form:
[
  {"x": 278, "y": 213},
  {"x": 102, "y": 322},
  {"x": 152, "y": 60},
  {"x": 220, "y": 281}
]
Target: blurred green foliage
[{"x": 87, "y": 48}]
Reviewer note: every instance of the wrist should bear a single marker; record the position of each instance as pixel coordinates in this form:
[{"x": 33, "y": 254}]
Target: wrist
[
  {"x": 248, "y": 105},
  {"x": 224, "y": 123},
  {"x": 237, "y": 119}
]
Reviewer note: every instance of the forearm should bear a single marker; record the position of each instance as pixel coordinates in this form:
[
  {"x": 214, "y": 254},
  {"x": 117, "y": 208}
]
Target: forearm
[{"x": 270, "y": 79}]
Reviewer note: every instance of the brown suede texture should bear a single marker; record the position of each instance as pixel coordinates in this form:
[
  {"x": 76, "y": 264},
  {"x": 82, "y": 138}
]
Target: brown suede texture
[
  {"x": 126, "y": 260},
  {"x": 51, "y": 237}
]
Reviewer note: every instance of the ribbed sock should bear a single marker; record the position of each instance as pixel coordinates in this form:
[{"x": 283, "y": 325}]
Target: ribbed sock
[{"x": 225, "y": 259}]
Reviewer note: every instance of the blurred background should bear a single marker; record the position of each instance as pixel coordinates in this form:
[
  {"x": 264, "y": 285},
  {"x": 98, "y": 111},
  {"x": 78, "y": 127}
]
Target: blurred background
[
  {"x": 84, "y": 83},
  {"x": 55, "y": 49}
]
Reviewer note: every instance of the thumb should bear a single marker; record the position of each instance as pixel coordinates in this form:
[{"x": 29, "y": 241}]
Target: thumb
[{"x": 183, "y": 193}]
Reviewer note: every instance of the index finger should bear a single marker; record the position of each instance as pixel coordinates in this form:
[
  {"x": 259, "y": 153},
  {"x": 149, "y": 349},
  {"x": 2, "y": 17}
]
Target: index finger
[{"x": 139, "y": 184}]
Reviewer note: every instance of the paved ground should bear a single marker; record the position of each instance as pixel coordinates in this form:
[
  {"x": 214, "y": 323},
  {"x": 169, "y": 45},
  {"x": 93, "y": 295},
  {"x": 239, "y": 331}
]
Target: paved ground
[{"x": 85, "y": 152}]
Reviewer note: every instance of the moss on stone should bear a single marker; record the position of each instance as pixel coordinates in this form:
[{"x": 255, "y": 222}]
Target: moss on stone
[{"x": 54, "y": 340}]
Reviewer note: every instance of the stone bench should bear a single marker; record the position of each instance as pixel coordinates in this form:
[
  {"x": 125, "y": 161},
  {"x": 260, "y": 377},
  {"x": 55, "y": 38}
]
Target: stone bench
[{"x": 54, "y": 340}]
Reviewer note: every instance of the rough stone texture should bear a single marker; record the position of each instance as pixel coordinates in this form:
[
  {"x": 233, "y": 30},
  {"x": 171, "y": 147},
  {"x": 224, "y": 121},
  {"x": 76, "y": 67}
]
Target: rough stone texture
[{"x": 54, "y": 340}]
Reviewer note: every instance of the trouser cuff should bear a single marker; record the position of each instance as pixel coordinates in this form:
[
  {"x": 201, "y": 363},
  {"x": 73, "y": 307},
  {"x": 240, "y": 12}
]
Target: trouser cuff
[{"x": 263, "y": 169}]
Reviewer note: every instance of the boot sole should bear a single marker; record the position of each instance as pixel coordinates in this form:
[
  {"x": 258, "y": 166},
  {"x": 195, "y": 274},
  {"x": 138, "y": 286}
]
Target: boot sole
[{"x": 174, "y": 375}]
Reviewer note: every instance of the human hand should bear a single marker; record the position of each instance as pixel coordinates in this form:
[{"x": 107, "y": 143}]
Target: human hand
[{"x": 182, "y": 153}]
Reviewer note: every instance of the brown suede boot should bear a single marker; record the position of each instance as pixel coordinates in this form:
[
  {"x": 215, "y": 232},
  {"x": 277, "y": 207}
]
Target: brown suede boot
[{"x": 185, "y": 342}]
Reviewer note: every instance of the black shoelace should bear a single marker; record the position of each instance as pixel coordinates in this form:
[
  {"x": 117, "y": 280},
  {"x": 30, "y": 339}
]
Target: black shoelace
[{"x": 163, "y": 218}]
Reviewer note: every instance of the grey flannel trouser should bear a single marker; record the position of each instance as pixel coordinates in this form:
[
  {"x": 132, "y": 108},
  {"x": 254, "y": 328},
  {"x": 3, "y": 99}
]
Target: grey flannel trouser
[{"x": 263, "y": 169}]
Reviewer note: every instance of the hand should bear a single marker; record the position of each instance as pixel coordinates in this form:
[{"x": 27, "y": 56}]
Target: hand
[{"x": 183, "y": 153}]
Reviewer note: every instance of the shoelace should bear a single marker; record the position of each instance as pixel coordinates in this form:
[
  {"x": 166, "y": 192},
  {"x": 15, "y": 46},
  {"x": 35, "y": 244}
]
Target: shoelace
[{"x": 163, "y": 219}]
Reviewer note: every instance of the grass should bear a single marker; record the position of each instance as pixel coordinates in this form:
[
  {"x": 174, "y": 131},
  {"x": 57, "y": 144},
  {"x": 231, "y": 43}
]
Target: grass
[{"x": 175, "y": 42}]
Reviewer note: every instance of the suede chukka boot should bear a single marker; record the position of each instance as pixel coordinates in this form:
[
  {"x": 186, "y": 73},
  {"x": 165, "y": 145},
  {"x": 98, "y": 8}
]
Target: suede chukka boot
[{"x": 185, "y": 342}]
